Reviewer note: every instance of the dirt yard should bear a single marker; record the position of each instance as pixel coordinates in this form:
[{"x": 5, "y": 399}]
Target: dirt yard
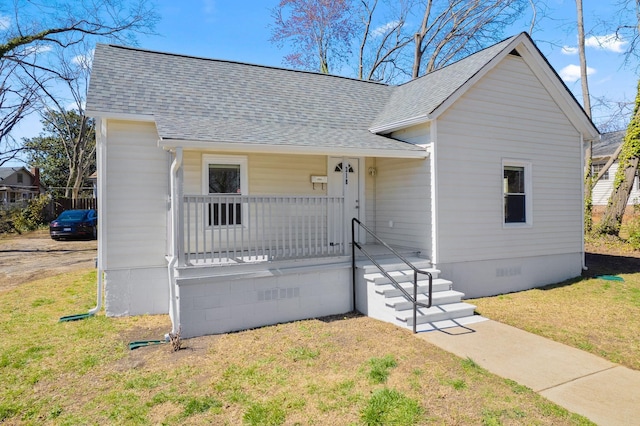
[{"x": 27, "y": 257}]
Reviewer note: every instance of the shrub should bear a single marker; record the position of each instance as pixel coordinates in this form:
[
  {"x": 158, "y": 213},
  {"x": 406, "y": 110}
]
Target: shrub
[
  {"x": 32, "y": 216},
  {"x": 633, "y": 228}
]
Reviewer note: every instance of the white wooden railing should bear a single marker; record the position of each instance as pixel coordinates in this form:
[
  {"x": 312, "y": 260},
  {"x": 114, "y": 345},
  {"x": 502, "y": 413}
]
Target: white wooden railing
[{"x": 221, "y": 229}]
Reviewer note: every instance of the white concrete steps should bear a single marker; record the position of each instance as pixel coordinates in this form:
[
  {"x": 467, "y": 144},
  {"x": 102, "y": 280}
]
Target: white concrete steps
[
  {"x": 387, "y": 303},
  {"x": 400, "y": 303},
  {"x": 438, "y": 284},
  {"x": 437, "y": 313}
]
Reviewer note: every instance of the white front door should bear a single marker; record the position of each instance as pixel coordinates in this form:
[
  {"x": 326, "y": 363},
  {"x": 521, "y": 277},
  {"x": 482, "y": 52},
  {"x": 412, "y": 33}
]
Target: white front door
[{"x": 344, "y": 180}]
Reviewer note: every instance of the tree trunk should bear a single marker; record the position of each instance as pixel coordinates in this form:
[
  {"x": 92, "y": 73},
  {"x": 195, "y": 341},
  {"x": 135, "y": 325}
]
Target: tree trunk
[
  {"x": 612, "y": 219},
  {"x": 589, "y": 182},
  {"x": 418, "y": 39},
  {"x": 586, "y": 102},
  {"x": 625, "y": 176}
]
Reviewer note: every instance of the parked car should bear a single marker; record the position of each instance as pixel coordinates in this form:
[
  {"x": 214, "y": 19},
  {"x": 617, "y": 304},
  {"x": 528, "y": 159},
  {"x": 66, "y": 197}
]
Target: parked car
[{"x": 74, "y": 223}]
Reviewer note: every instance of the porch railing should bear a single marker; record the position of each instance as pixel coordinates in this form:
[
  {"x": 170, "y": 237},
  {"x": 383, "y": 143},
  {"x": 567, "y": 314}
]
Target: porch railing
[{"x": 221, "y": 229}]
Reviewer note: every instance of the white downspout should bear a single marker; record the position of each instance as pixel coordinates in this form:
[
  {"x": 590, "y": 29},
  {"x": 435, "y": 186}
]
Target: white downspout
[
  {"x": 433, "y": 160},
  {"x": 101, "y": 162},
  {"x": 174, "y": 313}
]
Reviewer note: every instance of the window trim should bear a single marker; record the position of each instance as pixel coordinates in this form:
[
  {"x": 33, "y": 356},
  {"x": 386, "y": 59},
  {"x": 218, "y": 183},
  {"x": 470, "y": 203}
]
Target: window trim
[
  {"x": 528, "y": 193},
  {"x": 236, "y": 160}
]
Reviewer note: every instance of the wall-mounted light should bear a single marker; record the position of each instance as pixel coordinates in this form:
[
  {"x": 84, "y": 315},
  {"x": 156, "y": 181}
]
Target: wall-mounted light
[{"x": 372, "y": 171}]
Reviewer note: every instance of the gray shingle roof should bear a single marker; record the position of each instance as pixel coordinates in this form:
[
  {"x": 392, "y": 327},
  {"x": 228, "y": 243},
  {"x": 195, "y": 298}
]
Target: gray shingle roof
[
  {"x": 218, "y": 101},
  {"x": 205, "y": 100},
  {"x": 423, "y": 95},
  {"x": 607, "y": 144}
]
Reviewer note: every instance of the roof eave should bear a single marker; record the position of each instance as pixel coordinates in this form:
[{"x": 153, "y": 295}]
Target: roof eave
[
  {"x": 402, "y": 124},
  {"x": 170, "y": 144},
  {"x": 110, "y": 115}
]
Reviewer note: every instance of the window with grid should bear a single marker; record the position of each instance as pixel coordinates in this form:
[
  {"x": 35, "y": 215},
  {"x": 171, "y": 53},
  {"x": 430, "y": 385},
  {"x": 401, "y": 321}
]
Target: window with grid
[
  {"x": 516, "y": 188},
  {"x": 225, "y": 175}
]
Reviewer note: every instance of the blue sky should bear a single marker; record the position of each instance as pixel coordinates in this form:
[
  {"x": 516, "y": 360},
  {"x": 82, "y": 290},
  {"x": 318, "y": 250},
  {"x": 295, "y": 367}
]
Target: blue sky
[{"x": 240, "y": 31}]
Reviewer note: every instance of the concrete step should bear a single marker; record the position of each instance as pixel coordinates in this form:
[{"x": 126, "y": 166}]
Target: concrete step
[
  {"x": 437, "y": 313},
  {"x": 400, "y": 303},
  {"x": 389, "y": 290},
  {"x": 450, "y": 323},
  {"x": 400, "y": 276}
]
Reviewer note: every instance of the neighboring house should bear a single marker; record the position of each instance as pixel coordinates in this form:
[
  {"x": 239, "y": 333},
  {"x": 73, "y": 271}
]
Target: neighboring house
[
  {"x": 601, "y": 152},
  {"x": 18, "y": 185},
  {"x": 228, "y": 189}
]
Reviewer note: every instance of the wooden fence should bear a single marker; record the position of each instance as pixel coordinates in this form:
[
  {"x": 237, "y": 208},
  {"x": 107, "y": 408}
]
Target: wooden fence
[{"x": 59, "y": 205}]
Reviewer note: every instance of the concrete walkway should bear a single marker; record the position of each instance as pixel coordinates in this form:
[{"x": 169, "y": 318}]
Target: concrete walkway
[{"x": 604, "y": 392}]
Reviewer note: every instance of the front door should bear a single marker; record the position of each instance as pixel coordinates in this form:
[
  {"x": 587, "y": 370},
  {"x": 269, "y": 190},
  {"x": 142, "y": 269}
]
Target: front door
[{"x": 344, "y": 181}]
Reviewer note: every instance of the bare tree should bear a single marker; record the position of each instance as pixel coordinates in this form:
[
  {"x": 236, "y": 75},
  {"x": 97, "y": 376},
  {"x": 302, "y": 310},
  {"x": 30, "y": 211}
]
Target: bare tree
[
  {"x": 32, "y": 28},
  {"x": 381, "y": 48},
  {"x": 319, "y": 30},
  {"x": 17, "y": 99},
  {"x": 455, "y": 28},
  {"x": 74, "y": 129}
]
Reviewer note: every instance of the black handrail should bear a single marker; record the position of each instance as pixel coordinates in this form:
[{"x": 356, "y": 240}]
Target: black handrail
[{"x": 416, "y": 271}]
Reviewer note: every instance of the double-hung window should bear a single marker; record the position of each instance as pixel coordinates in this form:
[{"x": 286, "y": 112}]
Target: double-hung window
[
  {"x": 225, "y": 176},
  {"x": 516, "y": 188},
  {"x": 595, "y": 170}
]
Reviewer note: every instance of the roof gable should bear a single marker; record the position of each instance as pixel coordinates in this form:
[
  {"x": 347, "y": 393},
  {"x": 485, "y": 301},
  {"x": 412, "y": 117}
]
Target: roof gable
[
  {"x": 418, "y": 99},
  {"x": 427, "y": 97},
  {"x": 6, "y": 172}
]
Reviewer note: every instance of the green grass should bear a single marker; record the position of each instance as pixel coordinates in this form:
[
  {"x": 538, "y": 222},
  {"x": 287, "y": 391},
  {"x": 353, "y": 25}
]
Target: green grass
[
  {"x": 390, "y": 407},
  {"x": 380, "y": 368},
  {"x": 353, "y": 370}
]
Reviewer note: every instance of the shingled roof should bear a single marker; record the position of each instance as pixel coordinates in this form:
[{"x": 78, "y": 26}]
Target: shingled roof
[
  {"x": 208, "y": 100},
  {"x": 607, "y": 144},
  {"x": 212, "y": 101}
]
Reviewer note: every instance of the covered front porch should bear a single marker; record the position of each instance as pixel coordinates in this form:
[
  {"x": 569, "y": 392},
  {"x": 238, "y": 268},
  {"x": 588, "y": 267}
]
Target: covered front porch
[{"x": 257, "y": 239}]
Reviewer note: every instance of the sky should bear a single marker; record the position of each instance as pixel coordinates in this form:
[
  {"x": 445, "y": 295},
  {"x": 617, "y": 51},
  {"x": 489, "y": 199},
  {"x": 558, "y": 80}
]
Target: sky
[{"x": 240, "y": 31}]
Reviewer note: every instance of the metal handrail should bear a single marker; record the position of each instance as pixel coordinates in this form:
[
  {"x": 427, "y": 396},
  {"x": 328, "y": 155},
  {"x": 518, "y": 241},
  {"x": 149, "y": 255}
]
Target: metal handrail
[{"x": 413, "y": 299}]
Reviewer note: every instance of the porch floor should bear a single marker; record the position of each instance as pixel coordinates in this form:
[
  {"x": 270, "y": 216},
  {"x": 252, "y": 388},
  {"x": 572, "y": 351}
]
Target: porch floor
[{"x": 224, "y": 259}]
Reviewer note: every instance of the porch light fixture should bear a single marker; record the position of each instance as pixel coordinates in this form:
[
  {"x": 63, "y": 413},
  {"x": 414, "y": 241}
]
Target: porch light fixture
[{"x": 372, "y": 171}]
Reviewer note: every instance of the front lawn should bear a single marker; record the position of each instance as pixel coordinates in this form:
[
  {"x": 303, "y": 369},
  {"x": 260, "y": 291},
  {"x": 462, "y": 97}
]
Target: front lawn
[{"x": 342, "y": 370}]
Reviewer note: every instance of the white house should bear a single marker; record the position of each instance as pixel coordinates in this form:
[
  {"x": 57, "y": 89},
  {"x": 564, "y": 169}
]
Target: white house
[
  {"x": 601, "y": 152},
  {"x": 227, "y": 189}
]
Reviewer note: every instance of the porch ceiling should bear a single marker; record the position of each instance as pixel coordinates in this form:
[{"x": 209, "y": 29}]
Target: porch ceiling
[{"x": 256, "y": 136}]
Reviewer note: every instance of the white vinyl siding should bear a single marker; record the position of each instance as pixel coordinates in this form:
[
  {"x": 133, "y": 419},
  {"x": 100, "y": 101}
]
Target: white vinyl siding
[
  {"x": 602, "y": 189},
  {"x": 135, "y": 209},
  {"x": 269, "y": 174},
  {"x": 403, "y": 203},
  {"x": 507, "y": 114}
]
